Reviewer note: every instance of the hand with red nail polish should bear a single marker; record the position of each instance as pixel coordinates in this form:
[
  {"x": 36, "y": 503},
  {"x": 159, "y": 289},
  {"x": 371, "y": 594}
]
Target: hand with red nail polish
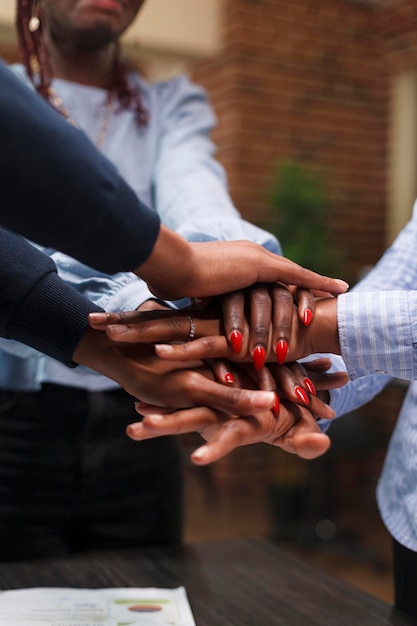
[
  {"x": 320, "y": 336},
  {"x": 294, "y": 383},
  {"x": 291, "y": 426}
]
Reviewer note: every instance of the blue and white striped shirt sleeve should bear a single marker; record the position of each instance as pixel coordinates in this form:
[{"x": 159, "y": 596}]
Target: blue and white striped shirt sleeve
[{"x": 377, "y": 323}]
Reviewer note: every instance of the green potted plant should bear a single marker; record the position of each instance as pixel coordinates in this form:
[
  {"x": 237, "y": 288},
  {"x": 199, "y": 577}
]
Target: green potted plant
[{"x": 299, "y": 199}]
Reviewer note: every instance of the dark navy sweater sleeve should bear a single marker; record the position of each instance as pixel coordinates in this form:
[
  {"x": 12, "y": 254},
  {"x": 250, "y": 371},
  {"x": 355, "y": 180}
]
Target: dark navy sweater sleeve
[
  {"x": 83, "y": 207},
  {"x": 36, "y": 306}
]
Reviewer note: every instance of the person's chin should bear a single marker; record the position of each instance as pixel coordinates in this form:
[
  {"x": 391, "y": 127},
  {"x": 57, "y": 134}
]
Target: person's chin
[{"x": 95, "y": 34}]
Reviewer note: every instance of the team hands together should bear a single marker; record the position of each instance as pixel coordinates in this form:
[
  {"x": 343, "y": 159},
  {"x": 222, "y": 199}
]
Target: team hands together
[
  {"x": 218, "y": 384},
  {"x": 229, "y": 383}
]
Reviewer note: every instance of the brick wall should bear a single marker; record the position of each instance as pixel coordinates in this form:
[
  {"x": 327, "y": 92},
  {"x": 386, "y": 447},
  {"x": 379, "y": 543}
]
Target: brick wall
[
  {"x": 397, "y": 25},
  {"x": 303, "y": 79}
]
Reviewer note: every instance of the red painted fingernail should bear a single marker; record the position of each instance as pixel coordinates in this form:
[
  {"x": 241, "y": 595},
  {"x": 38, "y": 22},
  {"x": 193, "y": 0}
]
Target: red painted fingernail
[
  {"x": 259, "y": 356},
  {"x": 236, "y": 339},
  {"x": 276, "y": 406},
  {"x": 309, "y": 384},
  {"x": 281, "y": 350},
  {"x": 228, "y": 377},
  {"x": 308, "y": 317},
  {"x": 301, "y": 395}
]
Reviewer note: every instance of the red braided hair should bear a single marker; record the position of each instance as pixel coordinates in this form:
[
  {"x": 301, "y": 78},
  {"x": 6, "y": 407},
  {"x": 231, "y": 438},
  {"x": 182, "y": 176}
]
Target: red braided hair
[{"x": 35, "y": 58}]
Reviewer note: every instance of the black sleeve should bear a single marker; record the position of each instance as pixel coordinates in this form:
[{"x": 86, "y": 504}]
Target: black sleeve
[
  {"x": 36, "y": 306},
  {"x": 83, "y": 207}
]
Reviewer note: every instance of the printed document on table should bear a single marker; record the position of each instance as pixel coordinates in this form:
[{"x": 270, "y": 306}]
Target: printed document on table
[{"x": 95, "y": 607}]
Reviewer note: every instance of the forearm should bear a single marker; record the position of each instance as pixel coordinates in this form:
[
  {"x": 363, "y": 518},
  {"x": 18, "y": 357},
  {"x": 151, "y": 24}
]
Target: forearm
[{"x": 171, "y": 256}]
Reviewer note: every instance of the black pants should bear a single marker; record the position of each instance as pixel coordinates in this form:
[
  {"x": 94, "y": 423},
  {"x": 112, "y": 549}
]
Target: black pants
[
  {"x": 71, "y": 480},
  {"x": 405, "y": 580}
]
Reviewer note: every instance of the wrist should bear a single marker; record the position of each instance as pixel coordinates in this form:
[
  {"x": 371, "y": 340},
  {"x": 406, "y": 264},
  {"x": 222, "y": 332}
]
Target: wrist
[
  {"x": 324, "y": 329},
  {"x": 93, "y": 351},
  {"x": 169, "y": 267}
]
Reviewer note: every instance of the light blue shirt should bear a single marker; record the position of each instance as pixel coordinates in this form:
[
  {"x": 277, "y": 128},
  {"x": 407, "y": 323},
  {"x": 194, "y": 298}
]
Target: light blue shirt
[
  {"x": 378, "y": 336},
  {"x": 170, "y": 164}
]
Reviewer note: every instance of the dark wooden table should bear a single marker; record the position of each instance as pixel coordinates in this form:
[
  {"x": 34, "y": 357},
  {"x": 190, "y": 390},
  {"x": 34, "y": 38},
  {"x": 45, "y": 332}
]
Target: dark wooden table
[{"x": 239, "y": 583}]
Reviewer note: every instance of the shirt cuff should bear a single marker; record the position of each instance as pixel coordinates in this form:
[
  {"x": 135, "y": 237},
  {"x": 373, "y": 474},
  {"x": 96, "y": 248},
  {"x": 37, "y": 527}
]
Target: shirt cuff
[
  {"x": 378, "y": 333},
  {"x": 52, "y": 318}
]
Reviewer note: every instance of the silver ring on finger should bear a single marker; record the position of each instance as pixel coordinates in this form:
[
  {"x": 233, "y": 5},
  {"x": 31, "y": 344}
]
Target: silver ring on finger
[{"x": 191, "y": 334}]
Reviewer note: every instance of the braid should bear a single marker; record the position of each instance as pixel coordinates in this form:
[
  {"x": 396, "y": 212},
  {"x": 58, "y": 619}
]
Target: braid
[
  {"x": 36, "y": 60},
  {"x": 32, "y": 49}
]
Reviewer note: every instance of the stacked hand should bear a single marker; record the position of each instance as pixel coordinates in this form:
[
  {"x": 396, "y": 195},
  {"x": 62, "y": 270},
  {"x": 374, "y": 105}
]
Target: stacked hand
[
  {"x": 177, "y": 269},
  {"x": 287, "y": 417}
]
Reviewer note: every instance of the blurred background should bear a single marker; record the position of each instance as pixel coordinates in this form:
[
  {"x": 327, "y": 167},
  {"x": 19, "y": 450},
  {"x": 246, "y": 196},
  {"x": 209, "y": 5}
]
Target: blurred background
[{"x": 317, "y": 113}]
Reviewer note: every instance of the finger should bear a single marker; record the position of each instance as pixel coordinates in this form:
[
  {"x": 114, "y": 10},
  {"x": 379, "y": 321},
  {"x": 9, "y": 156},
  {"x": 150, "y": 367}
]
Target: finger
[
  {"x": 283, "y": 304},
  {"x": 205, "y": 392},
  {"x": 103, "y": 319},
  {"x": 304, "y": 438},
  {"x": 157, "y": 325},
  {"x": 260, "y": 322},
  {"x": 267, "y": 382},
  {"x": 310, "y": 445},
  {"x": 146, "y": 408},
  {"x": 333, "y": 380},
  {"x": 291, "y": 273},
  {"x": 322, "y": 364},
  {"x": 320, "y": 409},
  {"x": 198, "y": 419},
  {"x": 215, "y": 346},
  {"x": 233, "y": 434},
  {"x": 306, "y": 305},
  {"x": 233, "y": 307},
  {"x": 291, "y": 380},
  {"x": 178, "y": 327},
  {"x": 221, "y": 370}
]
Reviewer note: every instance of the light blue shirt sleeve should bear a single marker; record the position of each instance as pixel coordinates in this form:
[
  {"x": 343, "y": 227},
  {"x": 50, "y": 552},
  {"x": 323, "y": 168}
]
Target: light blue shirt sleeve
[
  {"x": 190, "y": 186},
  {"x": 378, "y": 333},
  {"x": 377, "y": 324}
]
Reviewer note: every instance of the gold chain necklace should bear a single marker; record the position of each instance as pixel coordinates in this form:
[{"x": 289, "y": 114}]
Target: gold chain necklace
[{"x": 56, "y": 101}]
